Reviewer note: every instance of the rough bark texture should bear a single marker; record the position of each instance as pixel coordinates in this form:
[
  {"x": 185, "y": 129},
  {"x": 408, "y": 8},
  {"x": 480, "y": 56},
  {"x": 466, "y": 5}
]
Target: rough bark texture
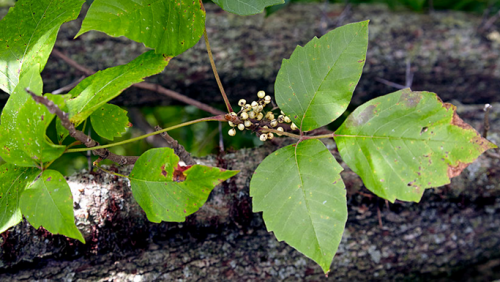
[
  {"x": 447, "y": 54},
  {"x": 447, "y": 235}
]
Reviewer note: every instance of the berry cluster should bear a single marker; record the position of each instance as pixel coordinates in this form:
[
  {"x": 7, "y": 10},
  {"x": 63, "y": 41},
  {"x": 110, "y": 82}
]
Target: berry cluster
[{"x": 253, "y": 117}]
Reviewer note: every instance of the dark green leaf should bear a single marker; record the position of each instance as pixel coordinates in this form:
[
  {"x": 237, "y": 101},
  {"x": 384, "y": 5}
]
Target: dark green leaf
[
  {"x": 315, "y": 86},
  {"x": 246, "y": 7},
  {"x": 49, "y": 203},
  {"x": 165, "y": 191},
  {"x": 13, "y": 180},
  {"x": 109, "y": 121},
  {"x": 405, "y": 142},
  {"x": 169, "y": 27},
  {"x": 27, "y": 36},
  {"x": 22, "y": 132},
  {"x": 98, "y": 89},
  {"x": 299, "y": 190}
]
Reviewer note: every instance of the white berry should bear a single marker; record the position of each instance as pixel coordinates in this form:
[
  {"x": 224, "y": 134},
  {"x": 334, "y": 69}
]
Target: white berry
[
  {"x": 241, "y": 126},
  {"x": 293, "y": 126},
  {"x": 231, "y": 132},
  {"x": 263, "y": 137},
  {"x": 242, "y": 102},
  {"x": 244, "y": 115},
  {"x": 247, "y": 123},
  {"x": 270, "y": 135},
  {"x": 261, "y": 94}
]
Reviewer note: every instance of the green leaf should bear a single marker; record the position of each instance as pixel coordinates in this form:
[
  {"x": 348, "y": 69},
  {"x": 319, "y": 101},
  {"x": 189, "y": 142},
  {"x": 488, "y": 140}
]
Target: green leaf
[
  {"x": 273, "y": 9},
  {"x": 405, "y": 142},
  {"x": 109, "y": 121},
  {"x": 166, "y": 192},
  {"x": 303, "y": 199},
  {"x": 169, "y": 27},
  {"x": 315, "y": 86},
  {"x": 246, "y": 7},
  {"x": 13, "y": 180},
  {"x": 22, "y": 132},
  {"x": 96, "y": 90},
  {"x": 49, "y": 203},
  {"x": 27, "y": 35}
]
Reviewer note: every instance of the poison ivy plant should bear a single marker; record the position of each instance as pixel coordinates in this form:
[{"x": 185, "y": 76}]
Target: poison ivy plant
[
  {"x": 315, "y": 86},
  {"x": 246, "y": 7},
  {"x": 28, "y": 34},
  {"x": 168, "y": 191},
  {"x": 169, "y": 27},
  {"x": 109, "y": 121},
  {"x": 303, "y": 199},
  {"x": 399, "y": 144},
  {"x": 405, "y": 142}
]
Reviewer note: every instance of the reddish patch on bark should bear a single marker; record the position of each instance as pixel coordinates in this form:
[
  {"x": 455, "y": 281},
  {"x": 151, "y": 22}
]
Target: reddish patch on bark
[
  {"x": 456, "y": 170},
  {"x": 179, "y": 175}
]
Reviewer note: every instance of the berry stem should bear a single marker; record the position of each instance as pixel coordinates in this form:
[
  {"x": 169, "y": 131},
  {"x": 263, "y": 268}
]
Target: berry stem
[
  {"x": 214, "y": 118},
  {"x": 221, "y": 88}
]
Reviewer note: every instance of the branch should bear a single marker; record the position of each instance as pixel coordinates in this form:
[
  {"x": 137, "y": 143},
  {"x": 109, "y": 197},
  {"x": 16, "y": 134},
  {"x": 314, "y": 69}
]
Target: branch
[
  {"x": 179, "y": 150},
  {"x": 80, "y": 136},
  {"x": 145, "y": 85}
]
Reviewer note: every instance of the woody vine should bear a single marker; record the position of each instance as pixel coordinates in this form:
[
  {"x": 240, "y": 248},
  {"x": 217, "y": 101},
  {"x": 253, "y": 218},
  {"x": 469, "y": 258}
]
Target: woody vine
[{"x": 399, "y": 144}]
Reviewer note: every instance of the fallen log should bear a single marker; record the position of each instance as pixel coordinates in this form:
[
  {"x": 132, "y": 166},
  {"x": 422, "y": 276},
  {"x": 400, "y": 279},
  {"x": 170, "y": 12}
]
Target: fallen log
[{"x": 454, "y": 232}]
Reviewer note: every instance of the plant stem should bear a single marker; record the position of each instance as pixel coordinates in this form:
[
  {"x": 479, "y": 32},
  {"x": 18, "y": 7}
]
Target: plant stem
[
  {"x": 214, "y": 118},
  {"x": 221, "y": 88},
  {"x": 110, "y": 172}
]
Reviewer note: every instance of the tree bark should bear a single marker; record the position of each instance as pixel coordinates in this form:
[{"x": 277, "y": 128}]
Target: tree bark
[
  {"x": 448, "y": 54},
  {"x": 452, "y": 230}
]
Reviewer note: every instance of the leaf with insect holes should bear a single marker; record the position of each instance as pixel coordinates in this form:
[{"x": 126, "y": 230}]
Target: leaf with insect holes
[
  {"x": 169, "y": 27},
  {"x": 13, "y": 180},
  {"x": 23, "y": 124},
  {"x": 28, "y": 34},
  {"x": 169, "y": 192},
  {"x": 246, "y": 7},
  {"x": 314, "y": 87},
  {"x": 109, "y": 121},
  {"x": 97, "y": 89},
  {"x": 303, "y": 199},
  {"x": 405, "y": 142},
  {"x": 48, "y": 202}
]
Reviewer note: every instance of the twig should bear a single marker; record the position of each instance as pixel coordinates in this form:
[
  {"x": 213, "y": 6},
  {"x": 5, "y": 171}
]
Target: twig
[
  {"x": 389, "y": 83},
  {"x": 80, "y": 136},
  {"x": 490, "y": 21},
  {"x": 178, "y": 148},
  {"x": 68, "y": 87},
  {"x": 486, "y": 121},
  {"x": 145, "y": 85},
  {"x": 139, "y": 121}
]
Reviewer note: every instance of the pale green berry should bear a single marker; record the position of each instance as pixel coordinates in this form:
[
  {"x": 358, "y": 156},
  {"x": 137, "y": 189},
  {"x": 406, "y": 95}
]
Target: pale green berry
[
  {"x": 269, "y": 116},
  {"x": 261, "y": 94},
  {"x": 231, "y": 124},
  {"x": 260, "y": 116},
  {"x": 270, "y": 135},
  {"x": 247, "y": 107},
  {"x": 247, "y": 123},
  {"x": 274, "y": 123},
  {"x": 287, "y": 119},
  {"x": 244, "y": 115},
  {"x": 263, "y": 137},
  {"x": 241, "y": 126},
  {"x": 280, "y": 129},
  {"x": 281, "y": 118},
  {"x": 242, "y": 102},
  {"x": 232, "y": 132},
  {"x": 293, "y": 126}
]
